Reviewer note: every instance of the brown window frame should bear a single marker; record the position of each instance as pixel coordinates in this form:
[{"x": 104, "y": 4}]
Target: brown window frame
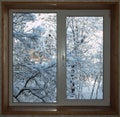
[{"x": 112, "y": 109}]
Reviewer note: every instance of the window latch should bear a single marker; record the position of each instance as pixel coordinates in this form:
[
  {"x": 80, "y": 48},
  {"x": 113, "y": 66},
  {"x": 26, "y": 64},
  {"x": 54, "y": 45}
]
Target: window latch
[{"x": 63, "y": 60}]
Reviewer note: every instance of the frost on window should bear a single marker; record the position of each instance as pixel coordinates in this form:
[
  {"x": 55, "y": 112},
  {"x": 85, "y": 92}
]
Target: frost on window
[
  {"x": 84, "y": 62},
  {"x": 34, "y": 57}
]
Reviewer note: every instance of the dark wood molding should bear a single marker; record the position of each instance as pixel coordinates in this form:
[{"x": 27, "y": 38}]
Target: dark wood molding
[
  {"x": 112, "y": 109},
  {"x": 59, "y": 5},
  {"x": 114, "y": 69}
]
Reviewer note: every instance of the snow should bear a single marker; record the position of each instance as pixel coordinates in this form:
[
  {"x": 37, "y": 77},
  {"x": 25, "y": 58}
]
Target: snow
[{"x": 35, "y": 57}]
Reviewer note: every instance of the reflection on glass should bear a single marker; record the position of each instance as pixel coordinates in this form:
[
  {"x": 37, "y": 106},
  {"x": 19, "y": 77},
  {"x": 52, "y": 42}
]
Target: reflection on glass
[
  {"x": 84, "y": 61},
  {"x": 34, "y": 57}
]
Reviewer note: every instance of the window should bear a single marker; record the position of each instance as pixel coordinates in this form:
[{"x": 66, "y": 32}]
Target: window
[
  {"x": 34, "y": 57},
  {"x": 60, "y": 60},
  {"x": 34, "y": 39}
]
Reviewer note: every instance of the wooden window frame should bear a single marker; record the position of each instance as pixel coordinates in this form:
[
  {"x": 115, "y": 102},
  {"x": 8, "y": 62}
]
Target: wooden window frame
[{"x": 112, "y": 109}]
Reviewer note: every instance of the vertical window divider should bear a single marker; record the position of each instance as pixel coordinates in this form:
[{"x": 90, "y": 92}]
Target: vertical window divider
[{"x": 61, "y": 34}]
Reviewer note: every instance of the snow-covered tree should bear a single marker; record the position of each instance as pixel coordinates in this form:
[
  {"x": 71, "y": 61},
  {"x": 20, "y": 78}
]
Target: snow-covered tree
[
  {"x": 84, "y": 57},
  {"x": 35, "y": 57}
]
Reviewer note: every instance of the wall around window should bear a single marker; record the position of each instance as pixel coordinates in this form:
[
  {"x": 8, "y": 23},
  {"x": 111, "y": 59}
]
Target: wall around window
[{"x": 0, "y": 59}]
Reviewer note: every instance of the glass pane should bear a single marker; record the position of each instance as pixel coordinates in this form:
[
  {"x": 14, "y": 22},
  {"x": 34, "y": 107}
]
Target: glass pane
[
  {"x": 34, "y": 57},
  {"x": 84, "y": 62}
]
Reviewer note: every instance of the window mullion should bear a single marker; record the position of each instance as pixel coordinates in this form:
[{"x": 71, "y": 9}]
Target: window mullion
[{"x": 61, "y": 34}]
